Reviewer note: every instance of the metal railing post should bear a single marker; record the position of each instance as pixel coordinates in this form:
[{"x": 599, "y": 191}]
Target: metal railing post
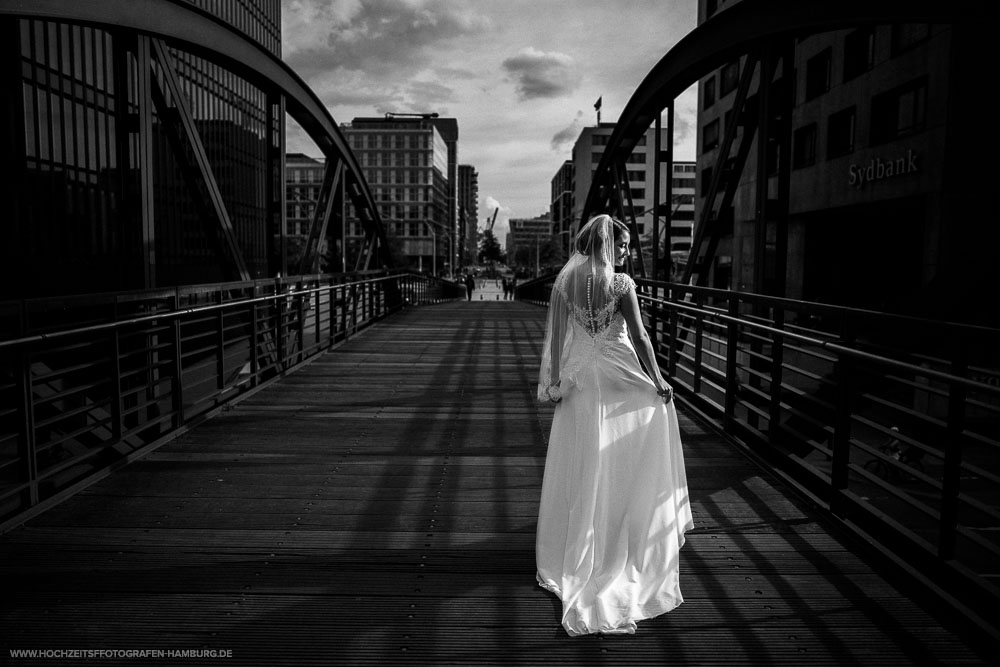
[
  {"x": 842, "y": 421},
  {"x": 343, "y": 309},
  {"x": 732, "y": 345},
  {"x": 254, "y": 336},
  {"x": 673, "y": 297},
  {"x": 220, "y": 344},
  {"x": 114, "y": 360},
  {"x": 951, "y": 478},
  {"x": 27, "y": 449},
  {"x": 777, "y": 360},
  {"x": 699, "y": 341},
  {"x": 279, "y": 328},
  {"x": 300, "y": 314},
  {"x": 177, "y": 390}
]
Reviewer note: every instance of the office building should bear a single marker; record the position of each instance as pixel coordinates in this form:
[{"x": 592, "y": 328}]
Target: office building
[
  {"x": 468, "y": 210},
  {"x": 530, "y": 244},
  {"x": 877, "y": 131},
  {"x": 405, "y": 161},
  {"x": 561, "y": 207},
  {"x": 448, "y": 128},
  {"x": 571, "y": 183}
]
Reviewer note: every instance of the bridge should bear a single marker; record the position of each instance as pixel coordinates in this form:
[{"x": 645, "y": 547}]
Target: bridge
[
  {"x": 377, "y": 506},
  {"x": 299, "y": 468}
]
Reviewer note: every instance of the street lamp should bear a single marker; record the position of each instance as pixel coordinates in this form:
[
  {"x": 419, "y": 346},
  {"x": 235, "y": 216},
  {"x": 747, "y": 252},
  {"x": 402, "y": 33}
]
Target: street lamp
[{"x": 432, "y": 227}]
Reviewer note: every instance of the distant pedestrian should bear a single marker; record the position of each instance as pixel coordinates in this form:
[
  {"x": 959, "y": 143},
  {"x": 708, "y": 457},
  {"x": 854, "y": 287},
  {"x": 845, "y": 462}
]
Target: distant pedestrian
[
  {"x": 506, "y": 289},
  {"x": 513, "y": 287},
  {"x": 470, "y": 286}
]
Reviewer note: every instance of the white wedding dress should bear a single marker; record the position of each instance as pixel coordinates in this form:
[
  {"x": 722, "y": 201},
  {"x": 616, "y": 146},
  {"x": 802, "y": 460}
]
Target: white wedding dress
[{"x": 614, "y": 505}]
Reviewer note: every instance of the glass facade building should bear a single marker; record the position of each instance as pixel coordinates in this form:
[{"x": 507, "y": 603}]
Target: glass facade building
[
  {"x": 104, "y": 191},
  {"x": 468, "y": 209}
]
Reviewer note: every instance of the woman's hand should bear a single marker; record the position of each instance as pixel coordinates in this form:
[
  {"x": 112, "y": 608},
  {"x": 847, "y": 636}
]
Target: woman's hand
[
  {"x": 664, "y": 391},
  {"x": 554, "y": 392}
]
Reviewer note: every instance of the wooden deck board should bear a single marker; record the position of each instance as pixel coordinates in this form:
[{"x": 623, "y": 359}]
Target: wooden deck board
[{"x": 377, "y": 507}]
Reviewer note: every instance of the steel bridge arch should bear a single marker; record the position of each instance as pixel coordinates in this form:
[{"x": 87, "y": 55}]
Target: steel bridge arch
[
  {"x": 747, "y": 26},
  {"x": 200, "y": 33}
]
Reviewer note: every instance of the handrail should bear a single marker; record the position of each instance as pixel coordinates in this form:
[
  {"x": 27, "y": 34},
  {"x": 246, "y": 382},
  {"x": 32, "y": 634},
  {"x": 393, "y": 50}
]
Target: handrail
[
  {"x": 834, "y": 347},
  {"x": 88, "y": 397},
  {"x": 170, "y": 314}
]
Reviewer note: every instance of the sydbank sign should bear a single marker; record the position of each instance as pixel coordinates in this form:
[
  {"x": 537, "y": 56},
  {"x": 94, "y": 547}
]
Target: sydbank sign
[{"x": 877, "y": 169}]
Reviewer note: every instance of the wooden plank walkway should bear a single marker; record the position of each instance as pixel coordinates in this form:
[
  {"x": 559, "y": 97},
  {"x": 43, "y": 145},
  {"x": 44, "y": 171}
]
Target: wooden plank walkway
[{"x": 377, "y": 507}]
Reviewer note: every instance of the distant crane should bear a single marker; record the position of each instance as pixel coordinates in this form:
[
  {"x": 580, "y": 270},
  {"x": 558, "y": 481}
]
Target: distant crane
[{"x": 493, "y": 221}]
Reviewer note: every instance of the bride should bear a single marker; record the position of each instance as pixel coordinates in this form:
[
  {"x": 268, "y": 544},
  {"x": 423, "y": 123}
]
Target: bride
[{"x": 614, "y": 505}]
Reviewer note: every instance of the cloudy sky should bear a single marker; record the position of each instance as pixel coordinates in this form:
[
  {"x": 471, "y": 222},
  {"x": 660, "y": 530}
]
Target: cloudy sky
[{"x": 521, "y": 76}]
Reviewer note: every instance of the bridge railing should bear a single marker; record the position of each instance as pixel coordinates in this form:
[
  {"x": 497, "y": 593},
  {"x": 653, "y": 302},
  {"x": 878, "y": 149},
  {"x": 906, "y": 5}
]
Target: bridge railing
[
  {"x": 890, "y": 424},
  {"x": 88, "y": 383}
]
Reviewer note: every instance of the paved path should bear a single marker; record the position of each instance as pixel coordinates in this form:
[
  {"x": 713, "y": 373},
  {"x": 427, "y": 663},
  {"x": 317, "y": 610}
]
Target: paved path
[{"x": 377, "y": 507}]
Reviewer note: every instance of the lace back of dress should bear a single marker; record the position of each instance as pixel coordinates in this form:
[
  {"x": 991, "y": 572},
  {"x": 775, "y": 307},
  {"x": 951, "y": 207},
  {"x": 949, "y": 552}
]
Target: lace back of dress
[
  {"x": 595, "y": 318},
  {"x": 583, "y": 297}
]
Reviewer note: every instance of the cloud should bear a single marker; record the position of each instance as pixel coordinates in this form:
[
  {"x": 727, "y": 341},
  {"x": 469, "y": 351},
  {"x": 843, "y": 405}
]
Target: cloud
[
  {"x": 567, "y": 135},
  {"x": 379, "y": 37},
  {"x": 542, "y": 74},
  {"x": 429, "y": 95}
]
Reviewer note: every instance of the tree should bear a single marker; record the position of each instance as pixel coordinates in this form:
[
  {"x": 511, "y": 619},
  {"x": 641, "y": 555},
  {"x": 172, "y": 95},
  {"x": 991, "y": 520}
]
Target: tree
[
  {"x": 547, "y": 255},
  {"x": 489, "y": 248}
]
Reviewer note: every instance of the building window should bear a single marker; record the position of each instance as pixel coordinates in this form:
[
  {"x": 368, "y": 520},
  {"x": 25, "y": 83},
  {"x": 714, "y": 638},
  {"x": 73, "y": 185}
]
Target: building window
[
  {"x": 637, "y": 193},
  {"x": 899, "y": 112},
  {"x": 600, "y": 139},
  {"x": 804, "y": 152},
  {"x": 710, "y": 136},
  {"x": 706, "y": 180},
  {"x": 635, "y": 176},
  {"x": 859, "y": 52},
  {"x": 595, "y": 157},
  {"x": 708, "y": 92},
  {"x": 818, "y": 74},
  {"x": 729, "y": 78},
  {"x": 840, "y": 133},
  {"x": 636, "y": 158},
  {"x": 905, "y": 36}
]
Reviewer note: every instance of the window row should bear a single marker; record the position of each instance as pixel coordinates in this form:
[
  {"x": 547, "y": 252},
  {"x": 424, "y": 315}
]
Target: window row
[
  {"x": 389, "y": 141},
  {"x": 394, "y": 159},
  {"x": 895, "y": 114},
  {"x": 400, "y": 176},
  {"x": 859, "y": 49}
]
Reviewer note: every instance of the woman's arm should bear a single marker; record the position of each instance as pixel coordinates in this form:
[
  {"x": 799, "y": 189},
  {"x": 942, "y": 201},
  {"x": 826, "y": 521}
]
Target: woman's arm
[{"x": 643, "y": 346}]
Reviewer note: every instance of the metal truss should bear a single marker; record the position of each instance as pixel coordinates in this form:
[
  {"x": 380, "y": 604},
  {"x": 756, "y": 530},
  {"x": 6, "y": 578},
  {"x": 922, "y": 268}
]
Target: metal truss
[
  {"x": 150, "y": 26},
  {"x": 760, "y": 30}
]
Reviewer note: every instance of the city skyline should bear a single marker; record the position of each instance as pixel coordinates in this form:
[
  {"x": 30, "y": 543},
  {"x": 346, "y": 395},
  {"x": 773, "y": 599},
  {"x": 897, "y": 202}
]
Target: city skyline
[{"x": 517, "y": 76}]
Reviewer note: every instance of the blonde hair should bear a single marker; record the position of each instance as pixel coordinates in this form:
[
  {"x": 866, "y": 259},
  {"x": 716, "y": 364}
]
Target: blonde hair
[{"x": 588, "y": 242}]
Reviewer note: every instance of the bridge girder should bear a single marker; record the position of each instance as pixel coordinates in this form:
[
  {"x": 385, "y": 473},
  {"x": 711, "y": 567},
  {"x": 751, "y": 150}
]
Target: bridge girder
[{"x": 195, "y": 31}]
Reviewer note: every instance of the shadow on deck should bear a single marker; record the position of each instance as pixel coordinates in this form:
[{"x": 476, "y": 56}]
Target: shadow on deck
[{"x": 378, "y": 507}]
